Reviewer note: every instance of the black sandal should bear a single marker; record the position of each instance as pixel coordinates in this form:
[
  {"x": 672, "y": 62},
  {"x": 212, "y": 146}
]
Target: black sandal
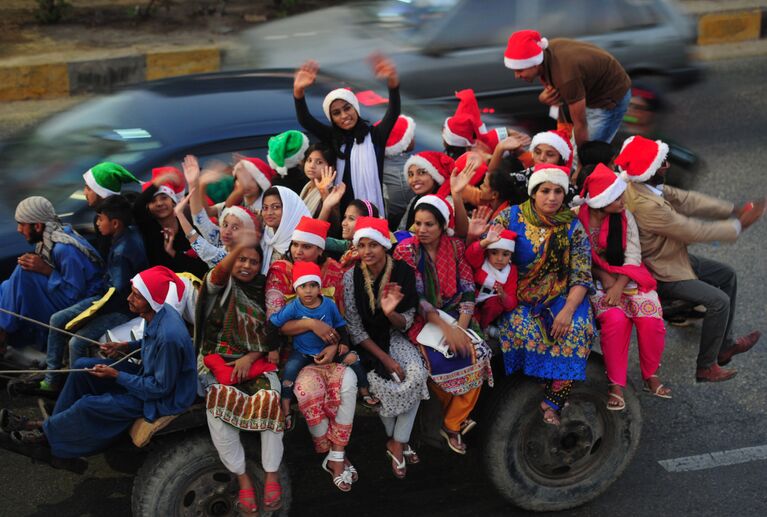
[
  {"x": 10, "y": 422},
  {"x": 34, "y": 437}
]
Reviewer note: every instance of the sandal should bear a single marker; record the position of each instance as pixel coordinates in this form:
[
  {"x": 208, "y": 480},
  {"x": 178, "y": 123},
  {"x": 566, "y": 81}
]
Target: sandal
[
  {"x": 458, "y": 446},
  {"x": 621, "y": 405},
  {"x": 348, "y": 467},
  {"x": 344, "y": 480},
  {"x": 550, "y": 415},
  {"x": 398, "y": 467},
  {"x": 370, "y": 402},
  {"x": 410, "y": 455},
  {"x": 34, "y": 437},
  {"x": 290, "y": 422},
  {"x": 658, "y": 391},
  {"x": 272, "y": 496},
  {"x": 467, "y": 425},
  {"x": 10, "y": 422},
  {"x": 247, "y": 508}
]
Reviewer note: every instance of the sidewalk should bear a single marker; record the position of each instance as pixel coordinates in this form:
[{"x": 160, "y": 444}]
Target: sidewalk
[{"x": 726, "y": 29}]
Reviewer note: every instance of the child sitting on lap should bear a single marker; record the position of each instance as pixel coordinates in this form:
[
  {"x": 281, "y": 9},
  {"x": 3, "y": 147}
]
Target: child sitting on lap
[{"x": 494, "y": 274}]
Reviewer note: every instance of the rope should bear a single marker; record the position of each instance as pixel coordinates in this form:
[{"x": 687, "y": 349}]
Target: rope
[
  {"x": 70, "y": 370},
  {"x": 51, "y": 327}
]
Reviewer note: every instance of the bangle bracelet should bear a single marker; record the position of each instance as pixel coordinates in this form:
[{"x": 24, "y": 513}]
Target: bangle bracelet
[{"x": 191, "y": 234}]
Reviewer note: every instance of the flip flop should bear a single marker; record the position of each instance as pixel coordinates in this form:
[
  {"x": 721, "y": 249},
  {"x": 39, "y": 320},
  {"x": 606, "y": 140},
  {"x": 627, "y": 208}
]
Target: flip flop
[
  {"x": 619, "y": 407},
  {"x": 398, "y": 468},
  {"x": 247, "y": 508},
  {"x": 467, "y": 425},
  {"x": 410, "y": 455},
  {"x": 656, "y": 392},
  {"x": 272, "y": 496},
  {"x": 447, "y": 435}
]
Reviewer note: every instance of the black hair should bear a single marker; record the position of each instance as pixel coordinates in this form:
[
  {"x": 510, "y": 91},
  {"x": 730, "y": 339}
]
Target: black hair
[
  {"x": 594, "y": 152},
  {"x": 272, "y": 191},
  {"x": 289, "y": 256},
  {"x": 116, "y": 207},
  {"x": 433, "y": 211},
  {"x": 511, "y": 187},
  {"x": 614, "y": 251},
  {"x": 454, "y": 151},
  {"x": 327, "y": 152},
  {"x": 363, "y": 208},
  {"x": 585, "y": 173}
]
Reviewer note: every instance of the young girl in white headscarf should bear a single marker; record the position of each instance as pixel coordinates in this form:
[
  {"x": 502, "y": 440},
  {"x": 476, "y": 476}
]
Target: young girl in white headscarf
[{"x": 281, "y": 211}]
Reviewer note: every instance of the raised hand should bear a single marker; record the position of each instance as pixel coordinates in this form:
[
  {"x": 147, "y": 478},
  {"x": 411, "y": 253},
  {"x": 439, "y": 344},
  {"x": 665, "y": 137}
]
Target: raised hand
[
  {"x": 384, "y": 68},
  {"x": 335, "y": 195},
  {"x": 493, "y": 235},
  {"x": 169, "y": 234},
  {"x": 248, "y": 238},
  {"x": 479, "y": 222},
  {"x": 305, "y": 77},
  {"x": 181, "y": 205},
  {"x": 325, "y": 180},
  {"x": 191, "y": 168},
  {"x": 392, "y": 296},
  {"x": 523, "y": 138}
]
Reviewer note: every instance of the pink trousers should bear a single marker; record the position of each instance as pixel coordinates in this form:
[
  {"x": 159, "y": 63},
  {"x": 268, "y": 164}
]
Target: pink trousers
[{"x": 615, "y": 335}]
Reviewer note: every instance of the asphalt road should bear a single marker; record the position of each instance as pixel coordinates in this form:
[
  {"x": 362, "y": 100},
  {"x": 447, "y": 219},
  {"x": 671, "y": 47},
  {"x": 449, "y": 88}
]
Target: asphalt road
[{"x": 723, "y": 120}]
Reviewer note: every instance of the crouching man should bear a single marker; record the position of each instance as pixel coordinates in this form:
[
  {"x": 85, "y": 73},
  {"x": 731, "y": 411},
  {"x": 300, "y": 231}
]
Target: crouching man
[{"x": 98, "y": 405}]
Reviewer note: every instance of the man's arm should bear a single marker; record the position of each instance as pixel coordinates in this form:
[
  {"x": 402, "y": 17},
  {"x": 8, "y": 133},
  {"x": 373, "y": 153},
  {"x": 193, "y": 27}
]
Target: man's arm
[
  {"x": 664, "y": 220},
  {"x": 695, "y": 204},
  {"x": 580, "y": 124}
]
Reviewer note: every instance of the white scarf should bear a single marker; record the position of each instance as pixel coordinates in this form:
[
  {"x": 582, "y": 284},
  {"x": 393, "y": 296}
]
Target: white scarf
[
  {"x": 293, "y": 209},
  {"x": 365, "y": 182},
  {"x": 493, "y": 276}
]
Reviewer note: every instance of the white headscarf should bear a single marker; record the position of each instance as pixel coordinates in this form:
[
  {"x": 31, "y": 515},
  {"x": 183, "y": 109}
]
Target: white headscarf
[{"x": 293, "y": 209}]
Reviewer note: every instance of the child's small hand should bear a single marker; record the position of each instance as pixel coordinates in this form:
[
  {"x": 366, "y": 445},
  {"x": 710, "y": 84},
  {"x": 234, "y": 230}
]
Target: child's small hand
[
  {"x": 273, "y": 357},
  {"x": 498, "y": 288},
  {"x": 494, "y": 233}
]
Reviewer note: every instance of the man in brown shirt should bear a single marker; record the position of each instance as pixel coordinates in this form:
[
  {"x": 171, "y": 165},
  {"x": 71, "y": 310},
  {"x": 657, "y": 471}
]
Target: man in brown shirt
[
  {"x": 670, "y": 219},
  {"x": 589, "y": 81}
]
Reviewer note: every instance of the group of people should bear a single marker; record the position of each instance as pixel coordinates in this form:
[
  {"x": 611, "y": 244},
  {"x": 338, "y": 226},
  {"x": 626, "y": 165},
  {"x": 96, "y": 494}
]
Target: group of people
[{"x": 349, "y": 269}]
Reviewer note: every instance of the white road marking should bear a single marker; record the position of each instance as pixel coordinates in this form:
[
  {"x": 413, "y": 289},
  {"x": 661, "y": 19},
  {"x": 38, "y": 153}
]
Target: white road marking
[
  {"x": 276, "y": 36},
  {"x": 715, "y": 459},
  {"x": 304, "y": 34}
]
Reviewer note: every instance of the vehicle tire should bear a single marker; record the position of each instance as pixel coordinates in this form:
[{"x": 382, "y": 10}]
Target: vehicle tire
[
  {"x": 184, "y": 476},
  {"x": 540, "y": 467}
]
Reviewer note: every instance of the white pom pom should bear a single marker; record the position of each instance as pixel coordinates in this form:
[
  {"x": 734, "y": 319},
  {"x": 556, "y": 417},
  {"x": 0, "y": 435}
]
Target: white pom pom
[
  {"x": 577, "y": 201},
  {"x": 544, "y": 43}
]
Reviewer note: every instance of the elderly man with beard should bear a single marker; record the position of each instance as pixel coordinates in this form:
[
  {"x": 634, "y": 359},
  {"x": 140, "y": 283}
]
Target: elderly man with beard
[{"x": 62, "y": 270}]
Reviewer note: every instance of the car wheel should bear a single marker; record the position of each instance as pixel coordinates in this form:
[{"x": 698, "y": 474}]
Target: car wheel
[
  {"x": 542, "y": 467},
  {"x": 186, "y": 477}
]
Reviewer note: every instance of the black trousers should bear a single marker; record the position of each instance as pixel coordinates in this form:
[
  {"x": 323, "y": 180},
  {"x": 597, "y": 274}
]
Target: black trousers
[{"x": 716, "y": 288}]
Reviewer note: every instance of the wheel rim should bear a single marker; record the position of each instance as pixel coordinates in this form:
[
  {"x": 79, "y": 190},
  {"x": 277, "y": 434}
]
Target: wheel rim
[
  {"x": 558, "y": 456},
  {"x": 211, "y": 492}
]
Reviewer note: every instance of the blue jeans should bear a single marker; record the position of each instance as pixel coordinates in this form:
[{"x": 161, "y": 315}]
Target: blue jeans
[
  {"x": 297, "y": 360},
  {"x": 78, "y": 348},
  {"x": 604, "y": 123}
]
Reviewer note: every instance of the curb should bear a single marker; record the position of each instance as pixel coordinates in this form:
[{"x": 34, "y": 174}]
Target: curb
[
  {"x": 54, "y": 80},
  {"x": 731, "y": 26}
]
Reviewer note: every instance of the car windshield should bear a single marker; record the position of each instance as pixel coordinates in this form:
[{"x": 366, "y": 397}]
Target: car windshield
[
  {"x": 409, "y": 20},
  {"x": 49, "y": 159}
]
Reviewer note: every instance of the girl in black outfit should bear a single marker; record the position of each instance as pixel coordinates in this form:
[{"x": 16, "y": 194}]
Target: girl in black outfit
[{"x": 358, "y": 145}]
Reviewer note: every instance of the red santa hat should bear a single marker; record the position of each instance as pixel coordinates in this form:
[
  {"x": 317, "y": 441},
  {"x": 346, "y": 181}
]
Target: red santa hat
[
  {"x": 259, "y": 170},
  {"x": 248, "y": 219},
  {"x": 506, "y": 242},
  {"x": 401, "y": 135},
  {"x": 602, "y": 187},
  {"x": 525, "y": 49},
  {"x": 640, "y": 158},
  {"x": 312, "y": 231},
  {"x": 304, "y": 272},
  {"x": 559, "y": 140},
  {"x": 460, "y": 129},
  {"x": 479, "y": 173},
  {"x": 373, "y": 228},
  {"x": 343, "y": 94},
  {"x": 493, "y": 137},
  {"x": 544, "y": 172},
  {"x": 159, "y": 285},
  {"x": 443, "y": 206},
  {"x": 175, "y": 192},
  {"x": 438, "y": 165}
]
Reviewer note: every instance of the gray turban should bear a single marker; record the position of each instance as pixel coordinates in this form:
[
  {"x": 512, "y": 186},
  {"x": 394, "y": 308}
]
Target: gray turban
[{"x": 35, "y": 209}]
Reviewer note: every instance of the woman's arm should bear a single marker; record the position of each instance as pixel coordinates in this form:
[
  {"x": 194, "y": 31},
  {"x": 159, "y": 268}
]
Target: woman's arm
[{"x": 304, "y": 78}]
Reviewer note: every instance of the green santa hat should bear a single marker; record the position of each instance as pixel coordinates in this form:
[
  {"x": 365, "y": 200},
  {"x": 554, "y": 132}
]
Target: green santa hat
[
  {"x": 286, "y": 150},
  {"x": 106, "y": 178}
]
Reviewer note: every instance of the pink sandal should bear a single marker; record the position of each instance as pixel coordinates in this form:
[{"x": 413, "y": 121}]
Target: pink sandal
[{"x": 248, "y": 508}]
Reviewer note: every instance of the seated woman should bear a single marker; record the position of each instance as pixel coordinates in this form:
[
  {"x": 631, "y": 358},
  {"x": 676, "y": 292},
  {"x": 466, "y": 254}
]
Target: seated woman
[
  {"x": 425, "y": 173},
  {"x": 550, "y": 333},
  {"x": 625, "y": 289},
  {"x": 358, "y": 145},
  {"x": 344, "y": 246},
  {"x": 319, "y": 170},
  {"x": 232, "y": 363},
  {"x": 444, "y": 282},
  {"x": 381, "y": 300},
  {"x": 326, "y": 393},
  {"x": 281, "y": 211}
]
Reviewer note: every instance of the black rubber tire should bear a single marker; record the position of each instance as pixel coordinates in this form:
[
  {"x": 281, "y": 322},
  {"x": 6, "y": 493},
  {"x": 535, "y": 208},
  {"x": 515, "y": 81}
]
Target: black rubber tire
[
  {"x": 184, "y": 476},
  {"x": 540, "y": 467}
]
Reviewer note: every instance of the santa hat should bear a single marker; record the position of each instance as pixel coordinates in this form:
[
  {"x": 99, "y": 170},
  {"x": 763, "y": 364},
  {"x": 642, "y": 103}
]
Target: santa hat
[
  {"x": 106, "y": 178},
  {"x": 248, "y": 219},
  {"x": 640, "y": 158},
  {"x": 493, "y": 137},
  {"x": 401, "y": 135},
  {"x": 438, "y": 165},
  {"x": 602, "y": 187},
  {"x": 343, "y": 94},
  {"x": 159, "y": 285},
  {"x": 443, "y": 206},
  {"x": 479, "y": 173},
  {"x": 506, "y": 242},
  {"x": 373, "y": 228},
  {"x": 312, "y": 231},
  {"x": 460, "y": 129},
  {"x": 259, "y": 170},
  {"x": 286, "y": 150},
  {"x": 304, "y": 272},
  {"x": 544, "y": 172},
  {"x": 175, "y": 192},
  {"x": 559, "y": 140},
  {"x": 525, "y": 49}
]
